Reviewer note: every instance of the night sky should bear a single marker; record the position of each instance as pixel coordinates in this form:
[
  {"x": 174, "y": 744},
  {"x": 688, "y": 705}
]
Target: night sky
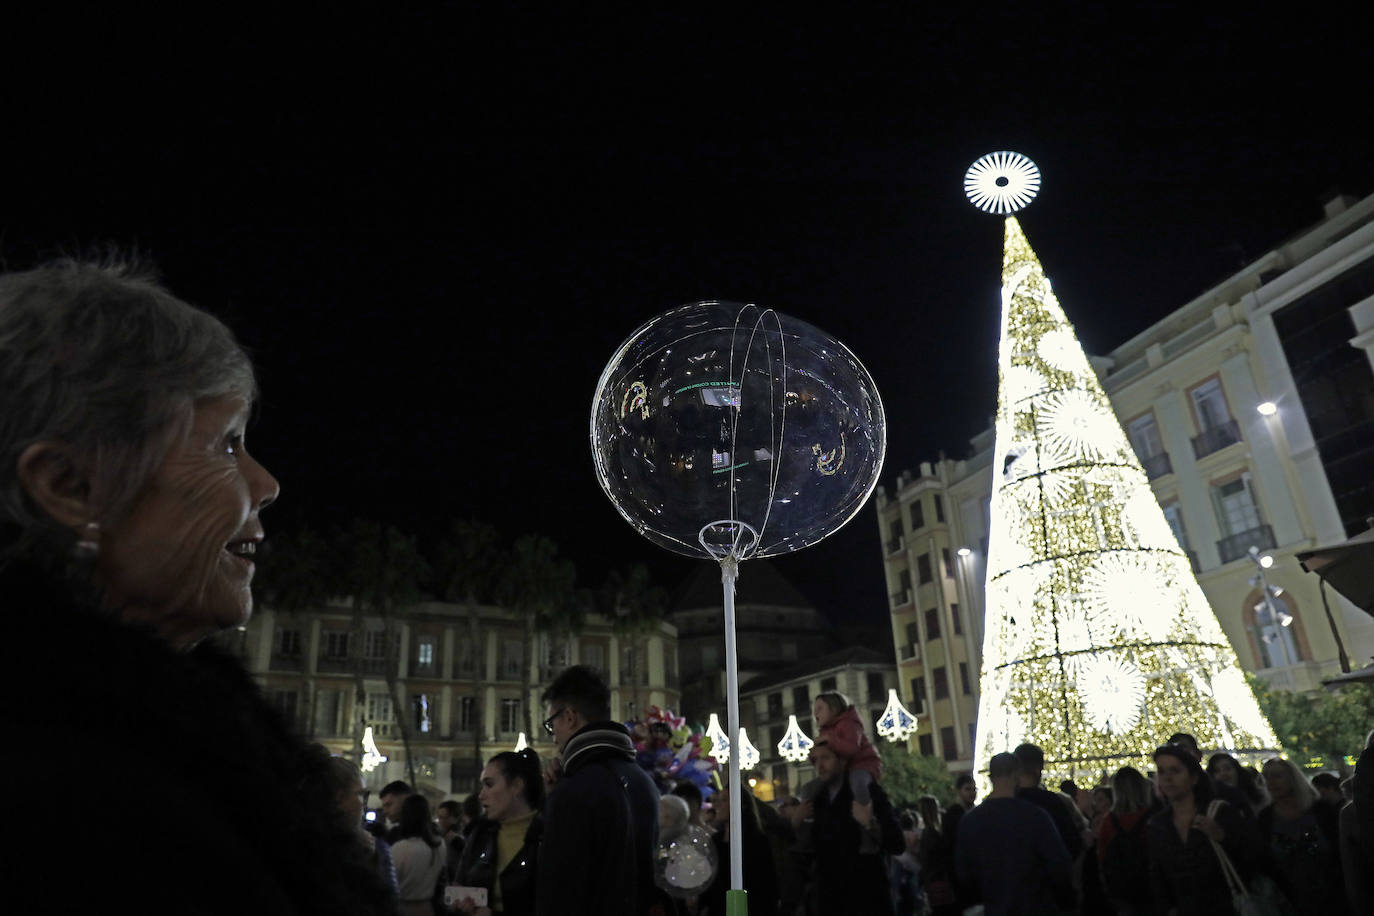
[{"x": 432, "y": 229}]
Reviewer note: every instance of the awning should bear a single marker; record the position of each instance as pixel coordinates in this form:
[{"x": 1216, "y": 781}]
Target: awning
[{"x": 1348, "y": 567}]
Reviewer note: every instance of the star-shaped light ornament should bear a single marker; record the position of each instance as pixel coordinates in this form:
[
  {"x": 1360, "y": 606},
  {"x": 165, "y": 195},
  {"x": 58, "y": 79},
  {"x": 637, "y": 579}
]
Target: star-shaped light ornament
[
  {"x": 720, "y": 744},
  {"x": 794, "y": 746},
  {"x": 1002, "y": 182},
  {"x": 896, "y": 723}
]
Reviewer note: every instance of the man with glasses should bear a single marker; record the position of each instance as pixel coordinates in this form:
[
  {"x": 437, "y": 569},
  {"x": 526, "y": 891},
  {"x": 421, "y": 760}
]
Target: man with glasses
[{"x": 601, "y": 815}]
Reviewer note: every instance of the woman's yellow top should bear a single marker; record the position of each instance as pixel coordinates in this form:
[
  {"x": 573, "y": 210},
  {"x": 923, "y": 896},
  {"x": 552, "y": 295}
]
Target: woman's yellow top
[{"x": 509, "y": 839}]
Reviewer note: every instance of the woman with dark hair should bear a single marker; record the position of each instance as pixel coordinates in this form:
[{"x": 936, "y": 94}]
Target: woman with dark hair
[
  {"x": 130, "y": 521},
  {"x": 1186, "y": 876},
  {"x": 502, "y": 852},
  {"x": 419, "y": 857},
  {"x": 936, "y": 857},
  {"x": 1225, "y": 769},
  {"x": 760, "y": 872}
]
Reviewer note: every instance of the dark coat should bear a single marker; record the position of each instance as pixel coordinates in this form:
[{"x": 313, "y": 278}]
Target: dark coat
[
  {"x": 1185, "y": 874},
  {"x": 760, "y": 871},
  {"x": 847, "y": 880},
  {"x": 232, "y": 813},
  {"x": 600, "y": 830},
  {"x": 477, "y": 865}
]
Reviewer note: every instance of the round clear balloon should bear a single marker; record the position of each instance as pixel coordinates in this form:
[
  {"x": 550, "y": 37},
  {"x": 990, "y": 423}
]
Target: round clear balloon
[
  {"x": 685, "y": 865},
  {"x": 722, "y": 428}
]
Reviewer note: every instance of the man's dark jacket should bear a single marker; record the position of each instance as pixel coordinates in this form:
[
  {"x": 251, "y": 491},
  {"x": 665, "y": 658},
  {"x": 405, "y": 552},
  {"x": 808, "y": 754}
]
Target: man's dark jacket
[
  {"x": 600, "y": 829},
  {"x": 847, "y": 880}
]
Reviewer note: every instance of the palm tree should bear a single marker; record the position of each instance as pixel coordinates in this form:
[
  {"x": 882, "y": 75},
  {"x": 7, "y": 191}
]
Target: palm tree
[
  {"x": 636, "y": 607},
  {"x": 297, "y": 574},
  {"x": 539, "y": 585},
  {"x": 383, "y": 572},
  {"x": 468, "y": 570}
]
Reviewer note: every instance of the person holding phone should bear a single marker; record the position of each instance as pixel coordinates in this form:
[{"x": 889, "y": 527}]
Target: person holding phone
[{"x": 500, "y": 858}]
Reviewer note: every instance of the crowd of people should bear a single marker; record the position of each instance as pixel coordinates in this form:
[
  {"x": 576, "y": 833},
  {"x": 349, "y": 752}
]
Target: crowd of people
[{"x": 130, "y": 513}]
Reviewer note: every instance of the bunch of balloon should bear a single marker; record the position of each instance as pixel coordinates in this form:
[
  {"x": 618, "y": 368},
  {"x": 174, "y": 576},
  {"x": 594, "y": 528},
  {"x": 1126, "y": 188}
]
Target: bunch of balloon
[{"x": 729, "y": 432}]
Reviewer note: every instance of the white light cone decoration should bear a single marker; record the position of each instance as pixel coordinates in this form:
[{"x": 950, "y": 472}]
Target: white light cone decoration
[
  {"x": 1098, "y": 641},
  {"x": 795, "y": 746},
  {"x": 372, "y": 757},
  {"x": 720, "y": 744},
  {"x": 521, "y": 743},
  {"x": 748, "y": 754},
  {"x": 896, "y": 723}
]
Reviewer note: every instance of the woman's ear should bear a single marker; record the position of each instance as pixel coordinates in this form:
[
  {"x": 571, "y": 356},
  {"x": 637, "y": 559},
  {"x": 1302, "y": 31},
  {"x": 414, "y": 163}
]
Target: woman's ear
[{"x": 56, "y": 482}]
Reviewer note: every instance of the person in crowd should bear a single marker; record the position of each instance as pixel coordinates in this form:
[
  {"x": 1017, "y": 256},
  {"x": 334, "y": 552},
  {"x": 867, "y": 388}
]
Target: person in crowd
[
  {"x": 449, "y": 816},
  {"x": 1302, "y": 832},
  {"x": 966, "y": 795},
  {"x": 760, "y": 872},
  {"x": 419, "y": 857},
  {"x": 690, "y": 792},
  {"x": 904, "y": 871},
  {"x": 841, "y": 728},
  {"x": 1122, "y": 849},
  {"x": 346, "y": 781},
  {"x": 848, "y": 871},
  {"x": 1010, "y": 851},
  {"x": 393, "y": 796},
  {"x": 1240, "y": 784},
  {"x": 935, "y": 857},
  {"x": 502, "y": 852},
  {"x": 1062, "y": 812},
  {"x": 601, "y": 815},
  {"x": 1356, "y": 831},
  {"x": 1102, "y": 799},
  {"x": 1233, "y": 794},
  {"x": 1185, "y": 875},
  {"x": 1328, "y": 786},
  {"x": 130, "y": 516}
]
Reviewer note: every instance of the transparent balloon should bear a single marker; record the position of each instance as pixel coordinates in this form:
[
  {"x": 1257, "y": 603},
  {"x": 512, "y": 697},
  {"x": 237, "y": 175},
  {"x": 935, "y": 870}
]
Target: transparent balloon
[
  {"x": 685, "y": 863},
  {"x": 718, "y": 411}
]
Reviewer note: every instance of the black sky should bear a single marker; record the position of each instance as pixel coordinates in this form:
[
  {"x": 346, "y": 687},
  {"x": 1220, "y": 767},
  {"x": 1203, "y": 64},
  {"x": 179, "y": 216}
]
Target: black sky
[{"x": 433, "y": 228}]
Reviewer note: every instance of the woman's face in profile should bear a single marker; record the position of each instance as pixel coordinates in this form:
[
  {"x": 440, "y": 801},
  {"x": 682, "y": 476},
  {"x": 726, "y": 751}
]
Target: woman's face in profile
[
  {"x": 182, "y": 559},
  {"x": 497, "y": 793}
]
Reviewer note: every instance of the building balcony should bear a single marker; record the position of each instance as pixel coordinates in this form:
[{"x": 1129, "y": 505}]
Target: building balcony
[
  {"x": 1238, "y": 545},
  {"x": 900, "y": 599},
  {"x": 1157, "y": 465},
  {"x": 286, "y": 662},
  {"x": 895, "y": 545},
  {"x": 334, "y": 665},
  {"x": 1216, "y": 438},
  {"x": 911, "y": 652}
]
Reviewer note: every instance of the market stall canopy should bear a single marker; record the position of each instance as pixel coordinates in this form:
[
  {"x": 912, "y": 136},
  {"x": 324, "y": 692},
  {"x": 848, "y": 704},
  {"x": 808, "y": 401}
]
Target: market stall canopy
[{"x": 1348, "y": 567}]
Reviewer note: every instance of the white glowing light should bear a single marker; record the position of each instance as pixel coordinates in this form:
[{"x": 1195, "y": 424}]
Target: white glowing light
[
  {"x": 1267, "y": 409},
  {"x": 720, "y": 744},
  {"x": 521, "y": 743},
  {"x": 1060, "y": 350},
  {"x": 1076, "y": 426},
  {"x": 1002, "y": 182},
  {"x": 1130, "y": 588},
  {"x": 964, "y": 551},
  {"x": 1266, "y": 561},
  {"x": 748, "y": 754},
  {"x": 795, "y": 745},
  {"x": 1022, "y": 382},
  {"x": 896, "y": 723},
  {"x": 372, "y": 757},
  {"x": 1113, "y": 693},
  {"x": 1237, "y": 701}
]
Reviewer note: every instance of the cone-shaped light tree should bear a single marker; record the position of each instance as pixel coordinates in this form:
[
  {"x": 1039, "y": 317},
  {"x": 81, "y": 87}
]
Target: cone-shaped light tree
[{"x": 1098, "y": 641}]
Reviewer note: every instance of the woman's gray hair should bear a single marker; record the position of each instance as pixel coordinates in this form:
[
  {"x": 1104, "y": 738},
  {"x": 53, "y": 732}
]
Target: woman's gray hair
[
  {"x": 103, "y": 358},
  {"x": 1303, "y": 793}
]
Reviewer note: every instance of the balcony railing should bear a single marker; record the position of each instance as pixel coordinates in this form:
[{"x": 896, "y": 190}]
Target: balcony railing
[
  {"x": 282, "y": 662},
  {"x": 1216, "y": 438},
  {"x": 1157, "y": 465},
  {"x": 901, "y": 598},
  {"x": 911, "y": 652},
  {"x": 895, "y": 545},
  {"x": 1238, "y": 545}
]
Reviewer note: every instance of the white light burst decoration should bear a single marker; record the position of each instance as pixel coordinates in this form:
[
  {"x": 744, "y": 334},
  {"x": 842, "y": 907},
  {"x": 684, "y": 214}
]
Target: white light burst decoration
[
  {"x": 1131, "y": 587},
  {"x": 372, "y": 757},
  {"x": 1002, "y": 182},
  {"x": 896, "y": 723},
  {"x": 1022, "y": 382},
  {"x": 1058, "y": 348},
  {"x": 720, "y": 744},
  {"x": 748, "y": 754},
  {"x": 1076, "y": 426},
  {"x": 1113, "y": 690},
  {"x": 795, "y": 745}
]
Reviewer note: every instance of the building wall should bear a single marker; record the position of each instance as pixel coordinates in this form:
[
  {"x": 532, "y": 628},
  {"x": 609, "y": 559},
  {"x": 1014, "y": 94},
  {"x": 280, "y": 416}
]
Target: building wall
[
  {"x": 301, "y": 668},
  {"x": 1251, "y": 480}
]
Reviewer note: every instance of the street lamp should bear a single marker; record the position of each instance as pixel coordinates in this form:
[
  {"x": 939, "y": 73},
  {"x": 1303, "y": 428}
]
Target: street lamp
[
  {"x": 964, "y": 551},
  {"x": 1266, "y": 610},
  {"x": 1267, "y": 409}
]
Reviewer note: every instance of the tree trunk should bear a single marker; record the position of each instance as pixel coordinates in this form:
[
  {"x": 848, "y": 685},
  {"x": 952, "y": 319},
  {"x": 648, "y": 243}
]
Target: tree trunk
[
  {"x": 479, "y": 677},
  {"x": 391, "y": 668}
]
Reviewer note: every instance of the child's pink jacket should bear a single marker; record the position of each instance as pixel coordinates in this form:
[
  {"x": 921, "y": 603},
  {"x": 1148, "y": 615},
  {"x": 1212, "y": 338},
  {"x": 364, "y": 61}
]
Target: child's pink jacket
[{"x": 845, "y": 736}]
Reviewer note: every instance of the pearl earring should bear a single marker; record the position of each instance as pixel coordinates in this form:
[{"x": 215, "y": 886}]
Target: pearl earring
[{"x": 89, "y": 544}]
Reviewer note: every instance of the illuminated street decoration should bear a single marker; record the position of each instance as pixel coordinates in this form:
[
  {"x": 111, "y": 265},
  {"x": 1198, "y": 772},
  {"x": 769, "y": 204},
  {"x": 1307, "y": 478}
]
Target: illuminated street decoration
[
  {"x": 896, "y": 723},
  {"x": 720, "y": 744},
  {"x": 521, "y": 743},
  {"x": 1099, "y": 643},
  {"x": 795, "y": 745},
  {"x": 1002, "y": 182},
  {"x": 748, "y": 754},
  {"x": 372, "y": 757}
]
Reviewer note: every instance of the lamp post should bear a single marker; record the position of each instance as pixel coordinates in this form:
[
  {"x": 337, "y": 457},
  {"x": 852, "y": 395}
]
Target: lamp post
[{"x": 1271, "y": 612}]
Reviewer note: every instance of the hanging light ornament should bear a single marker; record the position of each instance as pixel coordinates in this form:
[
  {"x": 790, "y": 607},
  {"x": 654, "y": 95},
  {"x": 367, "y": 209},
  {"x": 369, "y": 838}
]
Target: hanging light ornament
[
  {"x": 372, "y": 757},
  {"x": 521, "y": 743},
  {"x": 795, "y": 746},
  {"x": 720, "y": 744},
  {"x": 896, "y": 723},
  {"x": 748, "y": 754}
]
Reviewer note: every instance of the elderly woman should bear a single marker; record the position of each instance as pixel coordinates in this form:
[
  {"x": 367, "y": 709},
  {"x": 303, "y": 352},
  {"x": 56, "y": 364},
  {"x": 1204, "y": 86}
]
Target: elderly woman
[
  {"x": 1303, "y": 835},
  {"x": 129, "y": 520}
]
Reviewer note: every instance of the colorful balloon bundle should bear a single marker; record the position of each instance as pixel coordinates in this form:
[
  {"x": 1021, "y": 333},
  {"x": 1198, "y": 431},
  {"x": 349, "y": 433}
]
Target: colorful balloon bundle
[{"x": 673, "y": 751}]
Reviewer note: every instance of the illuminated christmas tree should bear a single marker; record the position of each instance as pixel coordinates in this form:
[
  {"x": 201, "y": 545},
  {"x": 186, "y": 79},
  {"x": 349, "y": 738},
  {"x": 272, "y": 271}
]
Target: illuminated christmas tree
[{"x": 1098, "y": 641}]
